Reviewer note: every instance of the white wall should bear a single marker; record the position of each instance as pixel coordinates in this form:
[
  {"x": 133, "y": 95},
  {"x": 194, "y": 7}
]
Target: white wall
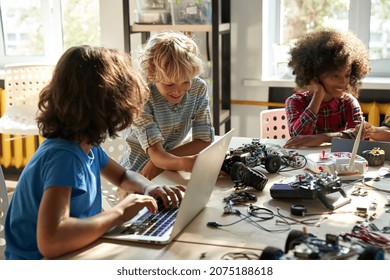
[
  {"x": 111, "y": 24},
  {"x": 246, "y": 65}
]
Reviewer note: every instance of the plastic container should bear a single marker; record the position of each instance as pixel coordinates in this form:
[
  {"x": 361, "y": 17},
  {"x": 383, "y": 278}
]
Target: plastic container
[
  {"x": 153, "y": 12},
  {"x": 190, "y": 11},
  {"x": 151, "y": 4},
  {"x": 153, "y": 16}
]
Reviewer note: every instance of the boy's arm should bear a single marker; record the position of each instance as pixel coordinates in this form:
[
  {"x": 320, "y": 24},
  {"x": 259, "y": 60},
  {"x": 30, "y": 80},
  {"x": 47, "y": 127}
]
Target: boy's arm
[
  {"x": 134, "y": 182},
  {"x": 170, "y": 161},
  {"x": 128, "y": 180},
  {"x": 381, "y": 133},
  {"x": 59, "y": 233},
  {"x": 150, "y": 170},
  {"x": 377, "y": 133},
  {"x": 381, "y": 136},
  {"x": 191, "y": 148}
]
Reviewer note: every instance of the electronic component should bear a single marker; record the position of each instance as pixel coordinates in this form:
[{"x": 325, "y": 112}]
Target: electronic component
[{"x": 310, "y": 186}]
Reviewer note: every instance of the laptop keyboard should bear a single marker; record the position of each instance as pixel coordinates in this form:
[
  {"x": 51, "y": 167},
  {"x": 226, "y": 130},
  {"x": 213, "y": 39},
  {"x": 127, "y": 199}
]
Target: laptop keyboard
[{"x": 152, "y": 224}]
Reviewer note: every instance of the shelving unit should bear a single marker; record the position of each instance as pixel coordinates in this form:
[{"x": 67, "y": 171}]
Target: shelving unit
[{"x": 221, "y": 48}]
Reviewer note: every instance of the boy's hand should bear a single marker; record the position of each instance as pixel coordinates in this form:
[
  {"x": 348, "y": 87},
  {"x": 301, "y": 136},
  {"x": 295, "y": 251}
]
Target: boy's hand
[
  {"x": 168, "y": 194},
  {"x": 150, "y": 170},
  {"x": 133, "y": 203}
]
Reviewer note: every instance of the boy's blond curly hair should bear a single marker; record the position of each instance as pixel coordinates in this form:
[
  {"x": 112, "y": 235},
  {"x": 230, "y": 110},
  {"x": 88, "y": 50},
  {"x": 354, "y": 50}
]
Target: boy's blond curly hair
[{"x": 171, "y": 56}]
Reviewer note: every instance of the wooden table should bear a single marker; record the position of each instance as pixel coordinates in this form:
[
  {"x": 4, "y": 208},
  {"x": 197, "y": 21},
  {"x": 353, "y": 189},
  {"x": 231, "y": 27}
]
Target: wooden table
[{"x": 198, "y": 241}]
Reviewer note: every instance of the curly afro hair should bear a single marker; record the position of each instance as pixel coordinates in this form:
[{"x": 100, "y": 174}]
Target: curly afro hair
[{"x": 328, "y": 50}]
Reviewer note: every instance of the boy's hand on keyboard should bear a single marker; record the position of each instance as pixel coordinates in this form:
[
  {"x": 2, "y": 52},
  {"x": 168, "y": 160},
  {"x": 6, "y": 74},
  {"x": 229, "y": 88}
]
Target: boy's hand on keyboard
[
  {"x": 160, "y": 204},
  {"x": 171, "y": 196},
  {"x": 133, "y": 203}
]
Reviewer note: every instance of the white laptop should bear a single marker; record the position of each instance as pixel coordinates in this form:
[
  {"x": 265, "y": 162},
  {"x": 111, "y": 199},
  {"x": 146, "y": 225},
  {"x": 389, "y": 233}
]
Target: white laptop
[{"x": 198, "y": 191}]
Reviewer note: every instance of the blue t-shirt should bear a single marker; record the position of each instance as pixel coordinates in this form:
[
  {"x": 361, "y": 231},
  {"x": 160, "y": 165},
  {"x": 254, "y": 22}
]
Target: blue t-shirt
[{"x": 57, "y": 162}]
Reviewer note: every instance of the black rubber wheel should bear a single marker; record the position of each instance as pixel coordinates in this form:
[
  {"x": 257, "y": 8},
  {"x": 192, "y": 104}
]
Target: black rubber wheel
[
  {"x": 372, "y": 253},
  {"x": 294, "y": 238},
  {"x": 271, "y": 253},
  {"x": 272, "y": 163},
  {"x": 236, "y": 170},
  {"x": 248, "y": 177}
]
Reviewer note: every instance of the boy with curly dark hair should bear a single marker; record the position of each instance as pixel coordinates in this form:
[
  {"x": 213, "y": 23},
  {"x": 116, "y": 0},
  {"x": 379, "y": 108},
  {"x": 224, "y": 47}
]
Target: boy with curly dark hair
[
  {"x": 328, "y": 66},
  {"x": 57, "y": 204}
]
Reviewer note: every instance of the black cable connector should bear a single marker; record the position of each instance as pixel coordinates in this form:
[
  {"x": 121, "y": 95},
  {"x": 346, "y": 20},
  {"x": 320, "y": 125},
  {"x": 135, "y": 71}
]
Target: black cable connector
[{"x": 213, "y": 224}]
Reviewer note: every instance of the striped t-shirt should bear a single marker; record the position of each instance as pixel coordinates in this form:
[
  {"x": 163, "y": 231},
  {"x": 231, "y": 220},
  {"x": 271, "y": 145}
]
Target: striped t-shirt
[{"x": 168, "y": 123}]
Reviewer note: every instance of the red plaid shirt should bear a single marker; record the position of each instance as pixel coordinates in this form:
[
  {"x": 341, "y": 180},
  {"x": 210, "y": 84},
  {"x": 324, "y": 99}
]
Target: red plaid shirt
[{"x": 337, "y": 115}]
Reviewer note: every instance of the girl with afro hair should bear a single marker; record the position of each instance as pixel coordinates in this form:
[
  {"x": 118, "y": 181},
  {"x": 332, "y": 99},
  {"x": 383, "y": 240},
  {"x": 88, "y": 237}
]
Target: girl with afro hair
[{"x": 328, "y": 66}]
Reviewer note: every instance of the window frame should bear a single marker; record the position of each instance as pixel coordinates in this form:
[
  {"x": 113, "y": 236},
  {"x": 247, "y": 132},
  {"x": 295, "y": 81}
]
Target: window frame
[
  {"x": 359, "y": 23},
  {"x": 52, "y": 32}
]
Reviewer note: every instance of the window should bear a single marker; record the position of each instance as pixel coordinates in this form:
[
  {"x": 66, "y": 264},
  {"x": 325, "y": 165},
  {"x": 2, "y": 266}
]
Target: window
[
  {"x": 380, "y": 30},
  {"x": 40, "y": 30},
  {"x": 369, "y": 20}
]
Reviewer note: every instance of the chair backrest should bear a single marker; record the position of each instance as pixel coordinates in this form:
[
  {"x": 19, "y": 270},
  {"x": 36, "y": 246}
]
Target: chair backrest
[
  {"x": 273, "y": 124},
  {"x": 22, "y": 84},
  {"x": 3, "y": 211},
  {"x": 115, "y": 149}
]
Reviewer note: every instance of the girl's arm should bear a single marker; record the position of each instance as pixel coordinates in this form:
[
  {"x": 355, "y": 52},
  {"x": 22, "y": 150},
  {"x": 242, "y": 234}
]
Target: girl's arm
[
  {"x": 318, "y": 95},
  {"x": 301, "y": 116},
  {"x": 301, "y": 120},
  {"x": 310, "y": 140}
]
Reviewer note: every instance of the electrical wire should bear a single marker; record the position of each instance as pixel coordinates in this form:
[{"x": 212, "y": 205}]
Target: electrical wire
[
  {"x": 255, "y": 212},
  {"x": 246, "y": 255},
  {"x": 264, "y": 214},
  {"x": 287, "y": 162},
  {"x": 217, "y": 225},
  {"x": 372, "y": 238},
  {"x": 309, "y": 221}
]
